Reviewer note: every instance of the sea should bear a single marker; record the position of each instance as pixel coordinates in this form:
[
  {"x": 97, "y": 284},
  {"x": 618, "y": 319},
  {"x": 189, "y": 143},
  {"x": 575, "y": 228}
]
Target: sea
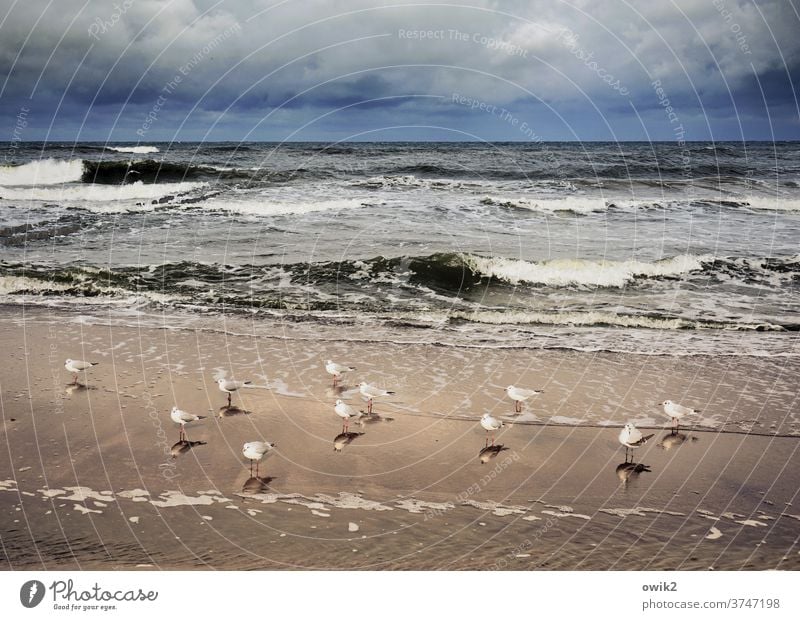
[{"x": 639, "y": 248}]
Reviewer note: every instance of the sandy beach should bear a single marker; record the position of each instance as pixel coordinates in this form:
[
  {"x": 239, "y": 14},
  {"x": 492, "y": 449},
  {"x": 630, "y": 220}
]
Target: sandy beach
[{"x": 91, "y": 476}]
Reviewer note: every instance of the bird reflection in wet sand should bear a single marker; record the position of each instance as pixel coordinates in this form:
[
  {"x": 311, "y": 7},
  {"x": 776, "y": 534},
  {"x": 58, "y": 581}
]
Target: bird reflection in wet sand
[
  {"x": 343, "y": 439},
  {"x": 490, "y": 452},
  {"x": 255, "y": 485},
  {"x": 627, "y": 471},
  {"x": 228, "y": 411},
  {"x": 373, "y": 418},
  {"x": 673, "y": 440},
  {"x": 183, "y": 446},
  {"x": 71, "y": 388}
]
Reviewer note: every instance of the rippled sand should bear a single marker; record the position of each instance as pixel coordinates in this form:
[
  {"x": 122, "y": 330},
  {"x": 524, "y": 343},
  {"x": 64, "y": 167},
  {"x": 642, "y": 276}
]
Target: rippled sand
[{"x": 94, "y": 476}]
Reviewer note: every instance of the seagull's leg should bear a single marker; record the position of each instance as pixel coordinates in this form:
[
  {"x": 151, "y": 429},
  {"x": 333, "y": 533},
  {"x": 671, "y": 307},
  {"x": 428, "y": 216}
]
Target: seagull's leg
[
  {"x": 369, "y": 406},
  {"x": 229, "y": 399}
]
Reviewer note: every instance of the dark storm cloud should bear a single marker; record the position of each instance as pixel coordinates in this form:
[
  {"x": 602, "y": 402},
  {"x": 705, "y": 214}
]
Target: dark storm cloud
[{"x": 262, "y": 69}]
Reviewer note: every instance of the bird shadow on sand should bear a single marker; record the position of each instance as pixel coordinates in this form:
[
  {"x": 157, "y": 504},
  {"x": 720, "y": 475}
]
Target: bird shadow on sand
[
  {"x": 344, "y": 439},
  {"x": 73, "y": 388},
  {"x": 256, "y": 484},
  {"x": 488, "y": 453},
  {"x": 183, "y": 446},
  {"x": 228, "y": 411},
  {"x": 338, "y": 391},
  {"x": 373, "y": 418},
  {"x": 673, "y": 439},
  {"x": 629, "y": 471}
]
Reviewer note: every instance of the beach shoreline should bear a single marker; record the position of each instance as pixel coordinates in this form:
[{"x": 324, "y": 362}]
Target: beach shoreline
[{"x": 88, "y": 478}]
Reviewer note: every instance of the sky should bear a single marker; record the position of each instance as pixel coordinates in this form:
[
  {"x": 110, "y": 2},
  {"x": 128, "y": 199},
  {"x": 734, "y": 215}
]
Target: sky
[{"x": 161, "y": 70}]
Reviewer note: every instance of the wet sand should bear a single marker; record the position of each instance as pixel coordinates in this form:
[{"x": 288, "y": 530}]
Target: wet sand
[{"x": 91, "y": 476}]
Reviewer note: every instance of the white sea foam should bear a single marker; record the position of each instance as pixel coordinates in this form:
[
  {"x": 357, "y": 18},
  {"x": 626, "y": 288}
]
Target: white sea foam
[
  {"x": 139, "y": 150},
  {"x": 573, "y": 204},
  {"x": 772, "y": 203},
  {"x": 41, "y": 172},
  {"x": 267, "y": 208},
  {"x": 566, "y": 272},
  {"x": 100, "y": 193}
]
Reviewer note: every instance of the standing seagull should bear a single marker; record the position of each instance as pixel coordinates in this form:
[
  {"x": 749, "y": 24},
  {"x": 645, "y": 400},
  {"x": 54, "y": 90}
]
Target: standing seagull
[
  {"x": 676, "y": 412},
  {"x": 183, "y": 417},
  {"x": 337, "y": 370},
  {"x": 491, "y": 424},
  {"x": 370, "y": 391},
  {"x": 345, "y": 411},
  {"x": 256, "y": 451},
  {"x": 76, "y": 366},
  {"x": 230, "y": 386},
  {"x": 519, "y": 395},
  {"x": 632, "y": 438}
]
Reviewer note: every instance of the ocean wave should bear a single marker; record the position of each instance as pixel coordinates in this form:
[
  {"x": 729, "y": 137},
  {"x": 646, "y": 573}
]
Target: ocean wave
[
  {"x": 605, "y": 319},
  {"x": 581, "y": 206},
  {"x": 99, "y": 193},
  {"x": 139, "y": 150},
  {"x": 42, "y": 172},
  {"x": 566, "y": 272},
  {"x": 266, "y": 208}
]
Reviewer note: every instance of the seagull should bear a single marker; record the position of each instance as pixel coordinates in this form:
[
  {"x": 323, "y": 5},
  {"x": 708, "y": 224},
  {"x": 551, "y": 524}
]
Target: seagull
[
  {"x": 332, "y": 368},
  {"x": 230, "y": 386},
  {"x": 491, "y": 424},
  {"x": 519, "y": 395},
  {"x": 370, "y": 392},
  {"x": 632, "y": 438},
  {"x": 76, "y": 366},
  {"x": 345, "y": 411},
  {"x": 676, "y": 411},
  {"x": 182, "y": 417},
  {"x": 256, "y": 451}
]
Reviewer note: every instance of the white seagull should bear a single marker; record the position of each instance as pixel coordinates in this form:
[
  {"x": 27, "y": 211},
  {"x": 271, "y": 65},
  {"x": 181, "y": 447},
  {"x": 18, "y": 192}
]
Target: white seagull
[
  {"x": 256, "y": 451},
  {"x": 345, "y": 411},
  {"x": 337, "y": 370},
  {"x": 519, "y": 395},
  {"x": 230, "y": 386},
  {"x": 676, "y": 411},
  {"x": 370, "y": 391},
  {"x": 184, "y": 417},
  {"x": 76, "y": 366},
  {"x": 632, "y": 438},
  {"x": 491, "y": 424}
]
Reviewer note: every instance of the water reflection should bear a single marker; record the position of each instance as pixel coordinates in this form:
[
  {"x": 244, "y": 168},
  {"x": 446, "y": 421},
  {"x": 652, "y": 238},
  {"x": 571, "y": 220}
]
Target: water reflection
[
  {"x": 72, "y": 388},
  {"x": 228, "y": 411},
  {"x": 373, "y": 418},
  {"x": 674, "y": 439},
  {"x": 343, "y": 439},
  {"x": 183, "y": 446},
  {"x": 628, "y": 471},
  {"x": 490, "y": 452},
  {"x": 256, "y": 484}
]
